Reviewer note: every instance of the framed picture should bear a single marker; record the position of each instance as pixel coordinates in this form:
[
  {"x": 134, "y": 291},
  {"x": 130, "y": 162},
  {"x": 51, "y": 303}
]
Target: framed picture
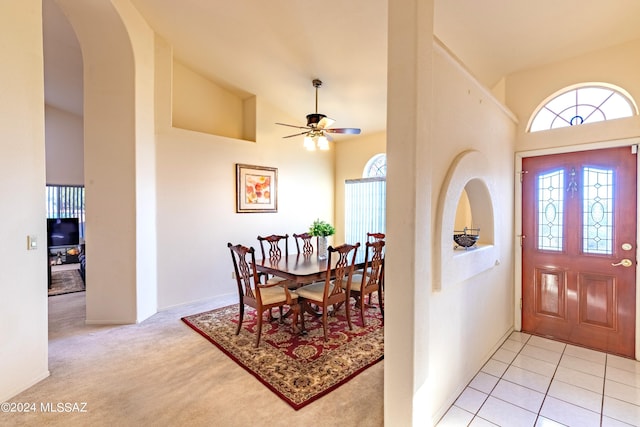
[{"x": 256, "y": 189}]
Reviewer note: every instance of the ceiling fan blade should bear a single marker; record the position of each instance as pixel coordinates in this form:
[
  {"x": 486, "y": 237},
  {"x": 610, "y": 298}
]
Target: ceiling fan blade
[
  {"x": 294, "y": 126},
  {"x": 296, "y": 134},
  {"x": 325, "y": 122},
  {"x": 352, "y": 131}
]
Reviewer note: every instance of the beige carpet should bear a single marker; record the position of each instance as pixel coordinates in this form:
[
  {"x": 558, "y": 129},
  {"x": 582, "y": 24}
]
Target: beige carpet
[{"x": 161, "y": 373}]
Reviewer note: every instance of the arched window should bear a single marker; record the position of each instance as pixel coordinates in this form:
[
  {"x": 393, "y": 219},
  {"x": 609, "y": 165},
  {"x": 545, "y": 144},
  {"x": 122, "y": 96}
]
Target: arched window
[
  {"x": 365, "y": 201},
  {"x": 588, "y": 103},
  {"x": 376, "y": 166}
]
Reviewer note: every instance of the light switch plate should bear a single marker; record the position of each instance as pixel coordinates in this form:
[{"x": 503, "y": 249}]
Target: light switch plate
[{"x": 32, "y": 243}]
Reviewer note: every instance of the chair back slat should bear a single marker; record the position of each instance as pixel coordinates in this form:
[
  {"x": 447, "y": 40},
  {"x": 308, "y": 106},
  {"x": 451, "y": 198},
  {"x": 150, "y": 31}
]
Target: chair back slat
[
  {"x": 307, "y": 246},
  {"x": 373, "y": 263},
  {"x": 244, "y": 265},
  {"x": 273, "y": 241},
  {"x": 343, "y": 272}
]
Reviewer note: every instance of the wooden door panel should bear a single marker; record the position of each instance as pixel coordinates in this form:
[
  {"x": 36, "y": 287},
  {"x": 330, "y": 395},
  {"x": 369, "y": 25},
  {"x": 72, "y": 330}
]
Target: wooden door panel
[
  {"x": 550, "y": 292},
  {"x": 579, "y": 222},
  {"x": 596, "y": 301}
]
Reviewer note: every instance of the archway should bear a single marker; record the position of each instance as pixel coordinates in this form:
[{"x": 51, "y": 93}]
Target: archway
[{"x": 117, "y": 52}]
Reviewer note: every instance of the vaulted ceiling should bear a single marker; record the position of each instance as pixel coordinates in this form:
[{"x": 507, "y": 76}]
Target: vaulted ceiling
[{"x": 273, "y": 49}]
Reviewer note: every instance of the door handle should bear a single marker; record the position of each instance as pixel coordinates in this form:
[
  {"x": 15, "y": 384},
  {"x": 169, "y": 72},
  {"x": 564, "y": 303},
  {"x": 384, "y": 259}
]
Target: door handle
[{"x": 625, "y": 263}]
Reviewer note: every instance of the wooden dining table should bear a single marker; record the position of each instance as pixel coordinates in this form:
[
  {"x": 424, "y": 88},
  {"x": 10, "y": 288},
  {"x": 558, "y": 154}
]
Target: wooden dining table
[{"x": 300, "y": 270}]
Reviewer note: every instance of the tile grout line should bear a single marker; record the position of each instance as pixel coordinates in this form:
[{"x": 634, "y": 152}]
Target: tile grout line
[
  {"x": 500, "y": 378},
  {"x": 551, "y": 379},
  {"x": 546, "y": 394},
  {"x": 604, "y": 382}
]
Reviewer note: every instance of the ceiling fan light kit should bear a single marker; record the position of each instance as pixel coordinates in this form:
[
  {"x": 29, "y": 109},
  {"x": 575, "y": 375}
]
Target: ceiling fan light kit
[{"x": 315, "y": 133}]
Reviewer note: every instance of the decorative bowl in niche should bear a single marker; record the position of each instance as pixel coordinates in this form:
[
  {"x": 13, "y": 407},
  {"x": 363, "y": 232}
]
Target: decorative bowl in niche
[{"x": 466, "y": 238}]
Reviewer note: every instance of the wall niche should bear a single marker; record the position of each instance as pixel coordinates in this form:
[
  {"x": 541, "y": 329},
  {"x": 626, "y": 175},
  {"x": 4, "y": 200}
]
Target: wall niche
[
  {"x": 201, "y": 105},
  {"x": 465, "y": 201}
]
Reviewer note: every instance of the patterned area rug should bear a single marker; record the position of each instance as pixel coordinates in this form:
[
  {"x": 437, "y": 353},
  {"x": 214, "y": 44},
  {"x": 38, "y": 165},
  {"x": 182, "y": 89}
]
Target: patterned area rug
[
  {"x": 65, "y": 282},
  {"x": 298, "y": 368}
]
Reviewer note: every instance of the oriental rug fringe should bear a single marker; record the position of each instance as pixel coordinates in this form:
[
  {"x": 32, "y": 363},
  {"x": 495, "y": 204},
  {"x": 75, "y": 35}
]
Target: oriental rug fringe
[{"x": 297, "y": 368}]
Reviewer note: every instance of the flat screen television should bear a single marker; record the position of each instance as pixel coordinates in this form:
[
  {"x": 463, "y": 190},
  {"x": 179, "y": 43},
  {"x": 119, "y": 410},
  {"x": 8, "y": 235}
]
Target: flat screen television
[{"x": 63, "y": 232}]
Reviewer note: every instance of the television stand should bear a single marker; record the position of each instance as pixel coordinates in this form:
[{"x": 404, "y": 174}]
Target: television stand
[
  {"x": 58, "y": 255},
  {"x": 64, "y": 254}
]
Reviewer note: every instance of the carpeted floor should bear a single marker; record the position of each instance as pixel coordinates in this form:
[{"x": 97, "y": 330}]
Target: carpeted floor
[
  {"x": 66, "y": 282},
  {"x": 160, "y": 373},
  {"x": 298, "y": 368}
]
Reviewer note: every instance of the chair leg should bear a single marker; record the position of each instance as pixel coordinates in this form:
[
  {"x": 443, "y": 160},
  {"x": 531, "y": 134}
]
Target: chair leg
[
  {"x": 241, "y": 317},
  {"x": 303, "y": 308},
  {"x": 348, "y": 310},
  {"x": 295, "y": 308},
  {"x": 324, "y": 323},
  {"x": 362, "y": 306},
  {"x": 259, "y": 329},
  {"x": 271, "y": 316}
]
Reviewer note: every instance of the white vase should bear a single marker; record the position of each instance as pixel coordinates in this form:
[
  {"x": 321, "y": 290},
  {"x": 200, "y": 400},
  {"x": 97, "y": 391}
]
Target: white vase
[{"x": 322, "y": 247}]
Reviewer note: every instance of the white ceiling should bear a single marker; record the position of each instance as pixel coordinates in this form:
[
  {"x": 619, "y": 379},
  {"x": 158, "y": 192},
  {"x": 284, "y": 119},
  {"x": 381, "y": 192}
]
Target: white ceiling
[{"x": 273, "y": 49}]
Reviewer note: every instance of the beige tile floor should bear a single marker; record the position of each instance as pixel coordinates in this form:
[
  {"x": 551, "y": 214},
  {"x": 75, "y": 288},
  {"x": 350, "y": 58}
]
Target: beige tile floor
[{"x": 534, "y": 381}]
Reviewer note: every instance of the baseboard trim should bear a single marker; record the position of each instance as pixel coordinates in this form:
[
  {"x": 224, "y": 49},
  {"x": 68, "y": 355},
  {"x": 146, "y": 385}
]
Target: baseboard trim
[
  {"x": 451, "y": 400},
  {"x": 29, "y": 384}
]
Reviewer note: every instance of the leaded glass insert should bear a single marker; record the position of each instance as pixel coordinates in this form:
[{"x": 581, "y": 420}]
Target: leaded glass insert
[
  {"x": 551, "y": 210},
  {"x": 597, "y": 212}
]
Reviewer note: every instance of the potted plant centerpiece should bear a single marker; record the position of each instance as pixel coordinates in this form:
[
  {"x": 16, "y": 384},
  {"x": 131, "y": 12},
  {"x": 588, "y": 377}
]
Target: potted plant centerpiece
[{"x": 321, "y": 229}]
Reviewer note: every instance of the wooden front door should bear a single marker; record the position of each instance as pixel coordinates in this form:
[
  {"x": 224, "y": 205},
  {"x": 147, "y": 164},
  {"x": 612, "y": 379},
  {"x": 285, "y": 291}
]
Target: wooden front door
[{"x": 579, "y": 248}]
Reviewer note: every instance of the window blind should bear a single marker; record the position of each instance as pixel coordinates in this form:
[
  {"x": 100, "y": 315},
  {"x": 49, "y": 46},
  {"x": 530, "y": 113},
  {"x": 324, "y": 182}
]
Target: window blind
[
  {"x": 66, "y": 201},
  {"x": 365, "y": 208}
]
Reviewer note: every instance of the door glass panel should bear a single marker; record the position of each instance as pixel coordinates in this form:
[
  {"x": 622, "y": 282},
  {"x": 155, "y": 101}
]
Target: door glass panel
[
  {"x": 550, "y": 210},
  {"x": 597, "y": 212}
]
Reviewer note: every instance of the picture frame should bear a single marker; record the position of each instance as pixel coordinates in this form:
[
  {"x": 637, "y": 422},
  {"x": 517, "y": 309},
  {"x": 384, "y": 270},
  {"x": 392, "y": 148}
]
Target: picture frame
[{"x": 256, "y": 189}]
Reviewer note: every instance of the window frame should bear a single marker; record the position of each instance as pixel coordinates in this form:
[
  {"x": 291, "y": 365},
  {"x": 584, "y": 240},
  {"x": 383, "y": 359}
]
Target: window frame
[{"x": 556, "y": 111}]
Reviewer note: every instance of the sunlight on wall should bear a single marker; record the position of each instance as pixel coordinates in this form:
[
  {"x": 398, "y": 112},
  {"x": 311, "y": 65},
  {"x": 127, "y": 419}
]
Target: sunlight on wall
[{"x": 464, "y": 218}]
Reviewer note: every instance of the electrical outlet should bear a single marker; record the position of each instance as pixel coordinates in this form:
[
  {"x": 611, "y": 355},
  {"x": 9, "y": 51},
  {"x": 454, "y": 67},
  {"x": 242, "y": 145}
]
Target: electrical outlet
[{"x": 233, "y": 274}]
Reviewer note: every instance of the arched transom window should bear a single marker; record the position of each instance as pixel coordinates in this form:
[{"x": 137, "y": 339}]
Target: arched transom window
[
  {"x": 585, "y": 104},
  {"x": 376, "y": 166}
]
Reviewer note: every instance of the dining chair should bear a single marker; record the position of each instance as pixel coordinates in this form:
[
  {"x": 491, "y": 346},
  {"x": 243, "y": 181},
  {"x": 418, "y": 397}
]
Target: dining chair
[
  {"x": 374, "y": 237},
  {"x": 335, "y": 289},
  {"x": 252, "y": 292},
  {"x": 305, "y": 239},
  {"x": 273, "y": 251},
  {"x": 363, "y": 284}
]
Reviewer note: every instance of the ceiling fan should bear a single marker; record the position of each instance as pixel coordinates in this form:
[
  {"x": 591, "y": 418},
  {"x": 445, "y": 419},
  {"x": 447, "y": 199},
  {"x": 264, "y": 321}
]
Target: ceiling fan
[{"x": 317, "y": 129}]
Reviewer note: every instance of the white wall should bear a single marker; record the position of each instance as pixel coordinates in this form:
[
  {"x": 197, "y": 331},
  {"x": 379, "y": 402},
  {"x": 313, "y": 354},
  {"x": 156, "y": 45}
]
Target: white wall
[
  {"x": 64, "y": 147},
  {"x": 23, "y": 306},
  {"x": 618, "y": 65},
  {"x": 409, "y": 232},
  {"x": 117, "y": 49},
  {"x": 436, "y": 340},
  {"x": 142, "y": 40},
  {"x": 197, "y": 195},
  {"x": 469, "y": 318}
]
